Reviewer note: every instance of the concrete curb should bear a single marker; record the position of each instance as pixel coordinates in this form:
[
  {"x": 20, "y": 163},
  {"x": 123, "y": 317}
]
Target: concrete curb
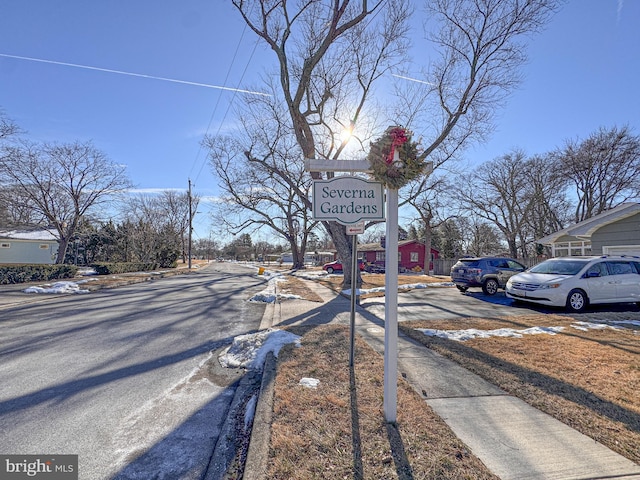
[
  {"x": 258, "y": 453},
  {"x": 228, "y": 452}
]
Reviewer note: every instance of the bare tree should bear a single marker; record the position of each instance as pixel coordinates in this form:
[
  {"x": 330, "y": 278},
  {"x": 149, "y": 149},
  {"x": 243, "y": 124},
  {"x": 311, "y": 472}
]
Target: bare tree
[
  {"x": 497, "y": 192},
  {"x": 176, "y": 210},
  {"x": 480, "y": 52},
  {"x": 263, "y": 187},
  {"x": 61, "y": 182},
  {"x": 328, "y": 57},
  {"x": 430, "y": 199},
  {"x": 604, "y": 170},
  {"x": 480, "y": 46},
  {"x": 549, "y": 207},
  {"x": 157, "y": 226},
  {"x": 8, "y": 128}
]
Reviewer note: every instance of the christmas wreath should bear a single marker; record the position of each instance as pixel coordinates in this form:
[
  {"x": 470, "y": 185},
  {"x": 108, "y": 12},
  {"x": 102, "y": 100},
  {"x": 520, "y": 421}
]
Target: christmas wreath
[{"x": 395, "y": 171}]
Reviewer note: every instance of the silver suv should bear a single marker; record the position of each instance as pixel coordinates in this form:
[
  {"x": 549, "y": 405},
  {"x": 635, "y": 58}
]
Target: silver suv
[{"x": 490, "y": 273}]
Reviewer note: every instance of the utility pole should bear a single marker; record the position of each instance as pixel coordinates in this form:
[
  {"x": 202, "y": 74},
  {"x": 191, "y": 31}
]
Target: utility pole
[{"x": 190, "y": 222}]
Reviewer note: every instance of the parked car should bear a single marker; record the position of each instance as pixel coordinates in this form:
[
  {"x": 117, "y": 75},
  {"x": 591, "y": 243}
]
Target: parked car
[
  {"x": 375, "y": 268},
  {"x": 489, "y": 273},
  {"x": 576, "y": 282},
  {"x": 336, "y": 266}
]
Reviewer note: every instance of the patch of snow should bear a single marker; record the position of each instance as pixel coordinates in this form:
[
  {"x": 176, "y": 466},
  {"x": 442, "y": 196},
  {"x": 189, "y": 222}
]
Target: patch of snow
[
  {"x": 270, "y": 294},
  {"x": 250, "y": 351},
  {"x": 45, "y": 235},
  {"x": 309, "y": 382},
  {"x": 250, "y": 411},
  {"x": 412, "y": 286},
  {"x": 58, "y": 287},
  {"x": 87, "y": 271},
  {"x": 311, "y": 274},
  {"x": 584, "y": 326},
  {"x": 471, "y": 333},
  {"x": 463, "y": 335}
]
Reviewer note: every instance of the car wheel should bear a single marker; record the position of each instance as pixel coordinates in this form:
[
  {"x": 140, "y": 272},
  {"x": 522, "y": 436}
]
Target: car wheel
[
  {"x": 490, "y": 286},
  {"x": 577, "y": 301},
  {"x": 329, "y": 270},
  {"x": 462, "y": 289}
]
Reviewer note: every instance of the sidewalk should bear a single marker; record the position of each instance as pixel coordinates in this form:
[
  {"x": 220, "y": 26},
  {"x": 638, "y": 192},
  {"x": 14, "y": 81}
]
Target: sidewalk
[{"x": 514, "y": 440}]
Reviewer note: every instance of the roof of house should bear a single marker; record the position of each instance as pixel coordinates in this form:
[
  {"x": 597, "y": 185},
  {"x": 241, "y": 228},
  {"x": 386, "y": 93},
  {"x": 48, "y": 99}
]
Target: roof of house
[
  {"x": 27, "y": 234},
  {"x": 586, "y": 228}
]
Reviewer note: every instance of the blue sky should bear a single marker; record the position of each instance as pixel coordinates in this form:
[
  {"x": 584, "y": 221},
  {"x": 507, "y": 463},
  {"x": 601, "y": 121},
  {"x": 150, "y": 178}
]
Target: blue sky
[{"x": 582, "y": 74}]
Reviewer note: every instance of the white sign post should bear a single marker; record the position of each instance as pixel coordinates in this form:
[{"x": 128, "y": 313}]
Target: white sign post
[
  {"x": 390, "y": 400},
  {"x": 349, "y": 201},
  {"x": 329, "y": 204}
]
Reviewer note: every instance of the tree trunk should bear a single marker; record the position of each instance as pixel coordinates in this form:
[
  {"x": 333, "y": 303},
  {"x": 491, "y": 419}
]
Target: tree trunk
[
  {"x": 62, "y": 249},
  {"x": 427, "y": 245},
  {"x": 342, "y": 242}
]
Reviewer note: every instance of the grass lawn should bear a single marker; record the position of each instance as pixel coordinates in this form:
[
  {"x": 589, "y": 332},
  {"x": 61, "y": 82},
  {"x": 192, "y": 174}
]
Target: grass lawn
[{"x": 587, "y": 379}]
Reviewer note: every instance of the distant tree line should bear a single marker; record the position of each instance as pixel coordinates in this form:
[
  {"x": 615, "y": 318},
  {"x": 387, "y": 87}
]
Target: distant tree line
[
  {"x": 505, "y": 204},
  {"x": 70, "y": 188},
  {"x": 501, "y": 206}
]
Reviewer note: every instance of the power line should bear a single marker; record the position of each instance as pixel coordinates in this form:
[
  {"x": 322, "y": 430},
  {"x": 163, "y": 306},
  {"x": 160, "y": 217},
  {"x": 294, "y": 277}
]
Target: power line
[{"x": 235, "y": 54}]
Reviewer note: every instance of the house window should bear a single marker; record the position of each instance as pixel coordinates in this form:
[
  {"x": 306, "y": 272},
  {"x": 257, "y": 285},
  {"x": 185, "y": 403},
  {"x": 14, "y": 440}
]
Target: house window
[
  {"x": 5, "y": 245},
  {"x": 414, "y": 257},
  {"x": 44, "y": 246},
  {"x": 379, "y": 256},
  {"x": 571, "y": 249}
]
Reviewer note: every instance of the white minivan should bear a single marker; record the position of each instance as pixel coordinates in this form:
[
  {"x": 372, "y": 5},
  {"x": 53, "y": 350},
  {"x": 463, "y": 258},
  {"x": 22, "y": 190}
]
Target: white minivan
[{"x": 576, "y": 282}]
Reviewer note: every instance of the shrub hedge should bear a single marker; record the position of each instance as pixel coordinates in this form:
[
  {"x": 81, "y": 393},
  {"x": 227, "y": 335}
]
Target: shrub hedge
[
  {"x": 16, "y": 273},
  {"x": 103, "y": 268}
]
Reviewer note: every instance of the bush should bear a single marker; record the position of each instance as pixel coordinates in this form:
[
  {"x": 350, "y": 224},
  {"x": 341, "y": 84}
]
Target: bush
[
  {"x": 103, "y": 268},
  {"x": 10, "y": 274}
]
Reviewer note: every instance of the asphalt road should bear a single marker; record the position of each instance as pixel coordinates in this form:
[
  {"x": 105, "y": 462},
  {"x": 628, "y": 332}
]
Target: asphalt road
[{"x": 120, "y": 377}]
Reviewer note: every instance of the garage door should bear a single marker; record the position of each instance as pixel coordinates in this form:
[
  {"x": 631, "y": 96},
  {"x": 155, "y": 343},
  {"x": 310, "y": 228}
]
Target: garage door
[{"x": 622, "y": 250}]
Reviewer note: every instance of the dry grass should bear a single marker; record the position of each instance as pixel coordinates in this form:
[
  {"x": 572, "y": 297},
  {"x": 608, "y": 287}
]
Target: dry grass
[
  {"x": 373, "y": 280},
  {"x": 98, "y": 282},
  {"x": 587, "y": 379},
  {"x": 338, "y": 430},
  {"x": 295, "y": 286}
]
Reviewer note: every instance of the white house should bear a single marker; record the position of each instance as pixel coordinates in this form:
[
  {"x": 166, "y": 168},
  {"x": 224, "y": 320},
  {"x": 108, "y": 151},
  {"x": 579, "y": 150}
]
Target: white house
[{"x": 28, "y": 246}]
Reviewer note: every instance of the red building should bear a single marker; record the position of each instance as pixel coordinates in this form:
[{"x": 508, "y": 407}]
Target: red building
[{"x": 410, "y": 254}]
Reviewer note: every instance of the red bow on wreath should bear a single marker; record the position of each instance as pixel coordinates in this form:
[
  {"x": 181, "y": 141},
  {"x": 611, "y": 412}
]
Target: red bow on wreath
[{"x": 399, "y": 137}]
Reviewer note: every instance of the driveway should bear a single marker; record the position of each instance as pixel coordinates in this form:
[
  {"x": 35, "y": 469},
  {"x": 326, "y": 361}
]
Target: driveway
[{"x": 447, "y": 302}]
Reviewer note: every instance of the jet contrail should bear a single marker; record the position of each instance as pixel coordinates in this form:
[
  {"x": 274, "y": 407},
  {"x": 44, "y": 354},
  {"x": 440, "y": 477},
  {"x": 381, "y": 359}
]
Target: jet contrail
[
  {"x": 134, "y": 74},
  {"x": 412, "y": 79}
]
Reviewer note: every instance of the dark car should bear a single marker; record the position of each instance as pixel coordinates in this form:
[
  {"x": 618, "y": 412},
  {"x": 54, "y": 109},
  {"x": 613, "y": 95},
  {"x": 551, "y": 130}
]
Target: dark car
[
  {"x": 336, "y": 266},
  {"x": 490, "y": 273},
  {"x": 375, "y": 268}
]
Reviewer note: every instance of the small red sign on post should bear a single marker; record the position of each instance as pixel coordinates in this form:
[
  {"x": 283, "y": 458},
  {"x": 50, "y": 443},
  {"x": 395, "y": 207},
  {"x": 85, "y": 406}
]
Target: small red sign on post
[{"x": 355, "y": 228}]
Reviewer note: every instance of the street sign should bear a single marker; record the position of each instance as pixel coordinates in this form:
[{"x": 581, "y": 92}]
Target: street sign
[
  {"x": 355, "y": 229},
  {"x": 347, "y": 200}
]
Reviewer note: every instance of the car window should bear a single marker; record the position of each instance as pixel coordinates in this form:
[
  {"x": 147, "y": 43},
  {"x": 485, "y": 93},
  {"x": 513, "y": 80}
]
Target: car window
[
  {"x": 502, "y": 264},
  {"x": 515, "y": 265},
  {"x": 470, "y": 263},
  {"x": 559, "y": 267},
  {"x": 599, "y": 268},
  {"x": 619, "y": 268},
  {"x": 637, "y": 266}
]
